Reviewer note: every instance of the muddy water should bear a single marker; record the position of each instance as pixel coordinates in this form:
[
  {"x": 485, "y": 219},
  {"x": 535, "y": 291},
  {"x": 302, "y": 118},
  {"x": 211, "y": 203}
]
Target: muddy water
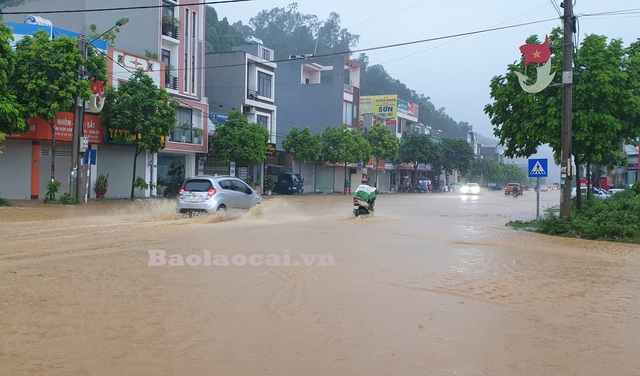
[{"x": 429, "y": 285}]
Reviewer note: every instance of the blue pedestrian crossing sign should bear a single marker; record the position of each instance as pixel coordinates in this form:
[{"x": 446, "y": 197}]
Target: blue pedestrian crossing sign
[{"x": 538, "y": 168}]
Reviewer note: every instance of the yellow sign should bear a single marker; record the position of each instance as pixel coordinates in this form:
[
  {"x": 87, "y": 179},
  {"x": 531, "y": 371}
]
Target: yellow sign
[{"x": 382, "y": 105}]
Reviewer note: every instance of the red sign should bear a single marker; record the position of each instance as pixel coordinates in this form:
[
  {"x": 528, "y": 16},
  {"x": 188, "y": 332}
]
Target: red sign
[{"x": 39, "y": 129}]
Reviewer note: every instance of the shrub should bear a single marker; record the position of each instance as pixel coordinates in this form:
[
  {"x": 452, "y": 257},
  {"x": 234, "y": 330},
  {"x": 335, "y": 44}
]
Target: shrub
[
  {"x": 67, "y": 199},
  {"x": 52, "y": 189}
]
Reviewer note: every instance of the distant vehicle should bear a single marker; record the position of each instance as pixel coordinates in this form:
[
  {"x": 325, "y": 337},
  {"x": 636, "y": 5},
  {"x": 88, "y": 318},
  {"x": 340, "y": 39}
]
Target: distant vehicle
[
  {"x": 596, "y": 192},
  {"x": 496, "y": 187},
  {"x": 470, "y": 188},
  {"x": 509, "y": 188},
  {"x": 208, "y": 194},
  {"x": 455, "y": 187},
  {"x": 544, "y": 188},
  {"x": 289, "y": 183}
]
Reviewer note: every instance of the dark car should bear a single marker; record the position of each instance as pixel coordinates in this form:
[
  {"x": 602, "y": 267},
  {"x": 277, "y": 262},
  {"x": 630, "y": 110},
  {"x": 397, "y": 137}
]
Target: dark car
[{"x": 289, "y": 183}]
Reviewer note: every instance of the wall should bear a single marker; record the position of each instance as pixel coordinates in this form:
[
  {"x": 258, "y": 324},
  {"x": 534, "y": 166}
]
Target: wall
[{"x": 15, "y": 169}]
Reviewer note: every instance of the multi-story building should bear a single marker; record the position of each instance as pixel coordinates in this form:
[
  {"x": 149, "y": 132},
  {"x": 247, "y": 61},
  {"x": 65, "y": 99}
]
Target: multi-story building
[
  {"x": 319, "y": 92},
  {"x": 170, "y": 30},
  {"x": 242, "y": 79}
]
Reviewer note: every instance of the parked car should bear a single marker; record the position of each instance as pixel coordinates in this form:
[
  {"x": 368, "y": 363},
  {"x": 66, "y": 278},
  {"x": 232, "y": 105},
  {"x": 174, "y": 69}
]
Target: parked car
[
  {"x": 208, "y": 194},
  {"x": 470, "y": 188},
  {"x": 496, "y": 187},
  {"x": 509, "y": 188},
  {"x": 289, "y": 183}
]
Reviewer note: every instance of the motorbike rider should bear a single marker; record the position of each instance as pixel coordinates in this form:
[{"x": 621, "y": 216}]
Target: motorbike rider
[
  {"x": 366, "y": 193},
  {"x": 515, "y": 190}
]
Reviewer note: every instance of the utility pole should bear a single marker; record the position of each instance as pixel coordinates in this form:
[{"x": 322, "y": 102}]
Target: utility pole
[
  {"x": 78, "y": 125},
  {"x": 567, "y": 108}
]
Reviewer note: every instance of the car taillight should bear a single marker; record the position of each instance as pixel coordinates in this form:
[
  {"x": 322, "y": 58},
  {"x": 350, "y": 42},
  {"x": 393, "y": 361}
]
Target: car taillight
[
  {"x": 210, "y": 193},
  {"x": 181, "y": 191}
]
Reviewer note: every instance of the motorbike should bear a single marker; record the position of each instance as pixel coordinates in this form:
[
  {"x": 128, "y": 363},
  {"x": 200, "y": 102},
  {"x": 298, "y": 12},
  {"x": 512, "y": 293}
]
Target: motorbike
[
  {"x": 362, "y": 207},
  {"x": 515, "y": 194},
  {"x": 364, "y": 199}
]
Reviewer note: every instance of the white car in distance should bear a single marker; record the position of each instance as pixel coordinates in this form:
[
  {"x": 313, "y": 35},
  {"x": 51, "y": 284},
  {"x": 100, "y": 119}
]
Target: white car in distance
[{"x": 470, "y": 188}]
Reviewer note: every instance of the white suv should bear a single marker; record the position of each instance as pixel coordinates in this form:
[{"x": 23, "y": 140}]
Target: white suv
[{"x": 212, "y": 193}]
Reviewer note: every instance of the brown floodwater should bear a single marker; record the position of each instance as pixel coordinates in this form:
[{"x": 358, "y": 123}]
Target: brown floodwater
[{"x": 432, "y": 284}]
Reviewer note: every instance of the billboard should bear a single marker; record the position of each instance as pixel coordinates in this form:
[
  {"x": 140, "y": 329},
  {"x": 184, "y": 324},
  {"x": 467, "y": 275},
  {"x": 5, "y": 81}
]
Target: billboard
[{"x": 381, "y": 105}]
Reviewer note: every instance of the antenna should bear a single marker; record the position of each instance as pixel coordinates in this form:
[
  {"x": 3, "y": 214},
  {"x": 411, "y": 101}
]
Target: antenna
[{"x": 316, "y": 48}]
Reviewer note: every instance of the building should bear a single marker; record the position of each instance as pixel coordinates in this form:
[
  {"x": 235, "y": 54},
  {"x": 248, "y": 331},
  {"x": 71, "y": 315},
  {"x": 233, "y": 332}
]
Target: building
[
  {"x": 242, "y": 79},
  {"x": 171, "y": 31},
  {"x": 319, "y": 92}
]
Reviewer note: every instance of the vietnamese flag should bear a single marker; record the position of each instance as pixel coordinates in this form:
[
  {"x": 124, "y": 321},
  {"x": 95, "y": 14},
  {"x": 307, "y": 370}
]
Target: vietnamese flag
[{"x": 536, "y": 53}]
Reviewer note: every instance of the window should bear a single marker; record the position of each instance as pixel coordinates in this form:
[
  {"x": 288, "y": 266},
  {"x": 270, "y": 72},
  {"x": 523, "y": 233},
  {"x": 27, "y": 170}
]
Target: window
[
  {"x": 264, "y": 84},
  {"x": 167, "y": 9},
  {"x": 347, "y": 113},
  {"x": 193, "y": 53},
  {"x": 263, "y": 120},
  {"x": 185, "y": 116},
  {"x": 266, "y": 54}
]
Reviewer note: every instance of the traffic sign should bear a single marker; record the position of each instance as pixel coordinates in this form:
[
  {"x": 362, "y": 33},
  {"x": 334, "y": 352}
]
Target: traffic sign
[{"x": 538, "y": 168}]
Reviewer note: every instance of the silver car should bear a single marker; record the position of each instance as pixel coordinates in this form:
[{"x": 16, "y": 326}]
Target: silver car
[{"x": 212, "y": 193}]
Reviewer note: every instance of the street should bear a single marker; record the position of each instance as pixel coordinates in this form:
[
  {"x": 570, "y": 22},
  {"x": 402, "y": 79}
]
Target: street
[{"x": 431, "y": 284}]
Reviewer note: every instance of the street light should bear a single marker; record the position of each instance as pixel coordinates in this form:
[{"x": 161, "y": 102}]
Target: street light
[{"x": 78, "y": 127}]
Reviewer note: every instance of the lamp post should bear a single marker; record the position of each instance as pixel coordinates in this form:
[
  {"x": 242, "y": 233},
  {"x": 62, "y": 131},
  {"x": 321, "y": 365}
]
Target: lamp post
[{"x": 78, "y": 126}]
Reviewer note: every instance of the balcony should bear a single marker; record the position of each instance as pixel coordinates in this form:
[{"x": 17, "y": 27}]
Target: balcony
[
  {"x": 171, "y": 82},
  {"x": 170, "y": 27},
  {"x": 187, "y": 135}
]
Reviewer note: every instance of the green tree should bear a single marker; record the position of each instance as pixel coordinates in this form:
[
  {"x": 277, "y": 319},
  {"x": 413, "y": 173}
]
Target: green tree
[
  {"x": 47, "y": 78},
  {"x": 303, "y": 146},
  {"x": 238, "y": 140},
  {"x": 288, "y": 32},
  {"x": 416, "y": 148},
  {"x": 345, "y": 145},
  {"x": 457, "y": 155},
  {"x": 606, "y": 103},
  {"x": 384, "y": 145},
  {"x": 220, "y": 36},
  {"x": 486, "y": 170},
  {"x": 11, "y": 119},
  {"x": 145, "y": 113}
]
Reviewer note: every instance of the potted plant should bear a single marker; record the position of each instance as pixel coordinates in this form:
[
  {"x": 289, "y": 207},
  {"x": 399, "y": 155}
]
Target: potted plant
[
  {"x": 269, "y": 185},
  {"x": 197, "y": 135},
  {"x": 184, "y": 128},
  {"x": 102, "y": 184}
]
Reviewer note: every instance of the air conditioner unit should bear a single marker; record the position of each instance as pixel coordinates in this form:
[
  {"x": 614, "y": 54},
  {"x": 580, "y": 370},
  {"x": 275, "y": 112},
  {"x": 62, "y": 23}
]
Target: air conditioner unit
[
  {"x": 252, "y": 96},
  {"x": 248, "y": 110}
]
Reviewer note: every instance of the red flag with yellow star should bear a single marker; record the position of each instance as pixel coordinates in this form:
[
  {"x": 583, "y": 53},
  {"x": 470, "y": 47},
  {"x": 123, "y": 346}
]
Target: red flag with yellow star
[{"x": 536, "y": 53}]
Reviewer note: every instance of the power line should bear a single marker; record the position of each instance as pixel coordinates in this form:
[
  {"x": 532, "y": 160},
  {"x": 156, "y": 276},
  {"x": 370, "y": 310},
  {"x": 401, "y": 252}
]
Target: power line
[{"x": 211, "y": 2}]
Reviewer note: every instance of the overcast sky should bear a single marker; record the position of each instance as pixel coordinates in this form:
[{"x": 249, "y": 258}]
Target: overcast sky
[{"x": 455, "y": 73}]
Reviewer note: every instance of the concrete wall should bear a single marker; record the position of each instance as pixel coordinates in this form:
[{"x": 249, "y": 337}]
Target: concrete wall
[
  {"x": 15, "y": 169},
  {"x": 316, "y": 106},
  {"x": 117, "y": 161}
]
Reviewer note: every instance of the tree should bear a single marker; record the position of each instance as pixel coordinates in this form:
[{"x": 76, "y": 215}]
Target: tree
[
  {"x": 606, "y": 103},
  {"x": 302, "y": 145},
  {"x": 288, "y": 32},
  {"x": 145, "y": 113},
  {"x": 384, "y": 145},
  {"x": 345, "y": 145},
  {"x": 11, "y": 119},
  {"x": 47, "y": 78},
  {"x": 416, "y": 148},
  {"x": 237, "y": 140},
  {"x": 457, "y": 155}
]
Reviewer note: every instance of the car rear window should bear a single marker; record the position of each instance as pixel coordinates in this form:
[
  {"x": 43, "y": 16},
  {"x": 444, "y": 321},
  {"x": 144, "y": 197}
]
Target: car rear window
[{"x": 197, "y": 185}]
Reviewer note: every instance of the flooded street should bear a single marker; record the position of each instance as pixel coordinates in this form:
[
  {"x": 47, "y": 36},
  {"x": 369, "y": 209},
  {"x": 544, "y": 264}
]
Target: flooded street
[{"x": 432, "y": 284}]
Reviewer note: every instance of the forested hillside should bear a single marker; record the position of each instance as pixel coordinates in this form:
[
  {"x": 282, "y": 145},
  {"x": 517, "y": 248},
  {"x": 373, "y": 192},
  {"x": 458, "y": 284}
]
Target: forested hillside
[{"x": 288, "y": 32}]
